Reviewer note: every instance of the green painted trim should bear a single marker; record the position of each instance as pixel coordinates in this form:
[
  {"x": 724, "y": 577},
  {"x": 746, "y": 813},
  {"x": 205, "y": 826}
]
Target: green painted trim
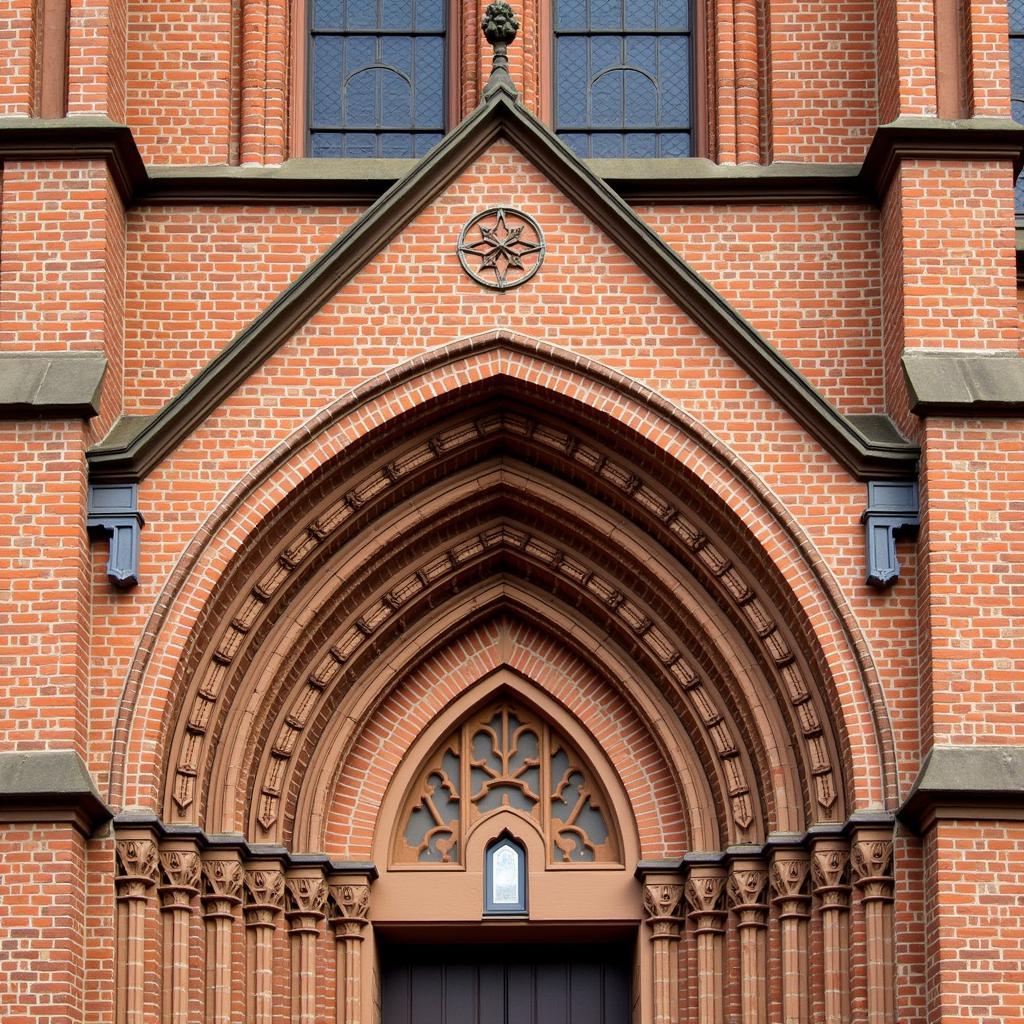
[
  {"x": 60, "y": 385},
  {"x": 957, "y": 383},
  {"x": 498, "y": 117}
]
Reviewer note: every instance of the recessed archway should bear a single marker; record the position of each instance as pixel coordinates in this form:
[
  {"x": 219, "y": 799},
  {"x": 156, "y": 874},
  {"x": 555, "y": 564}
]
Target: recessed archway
[{"x": 504, "y": 512}]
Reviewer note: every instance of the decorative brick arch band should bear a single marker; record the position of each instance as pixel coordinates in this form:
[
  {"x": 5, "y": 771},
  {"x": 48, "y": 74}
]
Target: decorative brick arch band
[
  {"x": 347, "y": 796},
  {"x": 202, "y": 604},
  {"x": 370, "y": 787}
]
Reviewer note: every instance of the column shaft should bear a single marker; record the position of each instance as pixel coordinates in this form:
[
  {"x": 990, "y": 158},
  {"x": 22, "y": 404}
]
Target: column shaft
[
  {"x": 307, "y": 898},
  {"x": 180, "y": 879},
  {"x": 137, "y": 874},
  {"x": 264, "y": 899},
  {"x": 789, "y": 872}
]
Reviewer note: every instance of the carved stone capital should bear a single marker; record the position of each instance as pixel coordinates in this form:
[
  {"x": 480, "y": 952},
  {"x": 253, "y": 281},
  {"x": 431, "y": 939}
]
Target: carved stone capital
[
  {"x": 306, "y": 902},
  {"x": 662, "y": 900},
  {"x": 871, "y": 859},
  {"x": 350, "y": 908},
  {"x": 180, "y": 871},
  {"x": 705, "y": 893},
  {"x": 222, "y": 890},
  {"x": 138, "y": 868},
  {"x": 263, "y": 896},
  {"x": 746, "y": 890},
  {"x": 789, "y": 874},
  {"x": 830, "y": 874}
]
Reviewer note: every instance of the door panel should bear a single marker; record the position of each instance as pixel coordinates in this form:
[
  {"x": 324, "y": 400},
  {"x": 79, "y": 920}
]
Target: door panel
[{"x": 505, "y": 985}]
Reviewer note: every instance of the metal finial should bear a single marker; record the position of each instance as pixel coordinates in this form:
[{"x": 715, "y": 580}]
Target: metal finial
[{"x": 500, "y": 28}]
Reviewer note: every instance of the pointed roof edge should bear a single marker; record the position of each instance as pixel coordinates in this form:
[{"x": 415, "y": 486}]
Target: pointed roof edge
[{"x": 136, "y": 444}]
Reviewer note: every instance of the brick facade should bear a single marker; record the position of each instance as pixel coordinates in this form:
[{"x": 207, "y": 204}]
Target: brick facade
[{"x": 630, "y": 493}]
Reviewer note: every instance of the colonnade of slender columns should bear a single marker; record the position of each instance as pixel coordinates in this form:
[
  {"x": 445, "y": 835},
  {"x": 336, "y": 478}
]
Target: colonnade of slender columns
[
  {"x": 695, "y": 914},
  {"x": 209, "y": 920},
  {"x": 171, "y": 893}
]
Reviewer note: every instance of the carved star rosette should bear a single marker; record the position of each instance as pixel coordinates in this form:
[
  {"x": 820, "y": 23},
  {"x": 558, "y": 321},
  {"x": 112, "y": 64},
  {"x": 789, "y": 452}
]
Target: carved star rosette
[{"x": 501, "y": 248}]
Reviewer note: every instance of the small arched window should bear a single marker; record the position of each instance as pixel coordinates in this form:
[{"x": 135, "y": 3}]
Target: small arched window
[
  {"x": 377, "y": 77},
  {"x": 622, "y": 77},
  {"x": 505, "y": 877}
]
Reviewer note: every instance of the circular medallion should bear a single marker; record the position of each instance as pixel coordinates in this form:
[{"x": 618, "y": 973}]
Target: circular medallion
[{"x": 501, "y": 248}]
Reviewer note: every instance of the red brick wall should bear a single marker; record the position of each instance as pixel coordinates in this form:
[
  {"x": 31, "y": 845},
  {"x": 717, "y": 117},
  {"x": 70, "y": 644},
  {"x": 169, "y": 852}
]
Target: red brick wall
[
  {"x": 198, "y": 275},
  {"x": 42, "y": 957},
  {"x": 976, "y": 933},
  {"x": 823, "y": 80},
  {"x": 16, "y": 81},
  {"x": 178, "y": 79}
]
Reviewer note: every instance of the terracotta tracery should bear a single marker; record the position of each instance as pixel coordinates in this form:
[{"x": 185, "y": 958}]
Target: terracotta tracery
[{"x": 506, "y": 757}]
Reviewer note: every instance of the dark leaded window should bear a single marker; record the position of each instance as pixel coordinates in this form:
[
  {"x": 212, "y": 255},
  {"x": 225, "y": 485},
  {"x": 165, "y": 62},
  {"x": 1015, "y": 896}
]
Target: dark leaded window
[
  {"x": 622, "y": 77},
  {"x": 1017, "y": 78},
  {"x": 377, "y": 79}
]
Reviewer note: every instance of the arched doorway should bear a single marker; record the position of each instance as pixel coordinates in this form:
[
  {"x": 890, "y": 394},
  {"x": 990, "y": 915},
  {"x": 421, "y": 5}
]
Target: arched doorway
[{"x": 534, "y": 536}]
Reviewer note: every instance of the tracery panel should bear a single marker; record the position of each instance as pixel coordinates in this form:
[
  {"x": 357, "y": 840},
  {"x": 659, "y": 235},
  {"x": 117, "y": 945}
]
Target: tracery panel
[{"x": 505, "y": 757}]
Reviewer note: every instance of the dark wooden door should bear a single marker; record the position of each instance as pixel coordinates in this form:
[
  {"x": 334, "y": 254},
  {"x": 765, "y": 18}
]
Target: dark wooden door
[{"x": 505, "y": 985}]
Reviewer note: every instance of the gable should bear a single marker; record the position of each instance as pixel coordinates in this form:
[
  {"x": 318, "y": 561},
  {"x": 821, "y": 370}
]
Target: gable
[{"x": 499, "y": 131}]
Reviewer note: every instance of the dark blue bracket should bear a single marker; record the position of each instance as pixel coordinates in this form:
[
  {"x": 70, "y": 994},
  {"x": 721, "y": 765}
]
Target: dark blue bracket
[
  {"x": 114, "y": 514},
  {"x": 892, "y": 512}
]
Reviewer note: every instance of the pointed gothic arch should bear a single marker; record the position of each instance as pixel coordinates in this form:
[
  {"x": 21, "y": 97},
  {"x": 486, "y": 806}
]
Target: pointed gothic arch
[
  {"x": 504, "y": 510},
  {"x": 818, "y": 676}
]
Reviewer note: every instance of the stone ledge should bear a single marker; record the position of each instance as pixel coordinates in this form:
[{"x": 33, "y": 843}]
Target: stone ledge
[
  {"x": 954, "y": 383},
  {"x": 44, "y": 786},
  {"x": 966, "y": 783},
  {"x": 58, "y": 385}
]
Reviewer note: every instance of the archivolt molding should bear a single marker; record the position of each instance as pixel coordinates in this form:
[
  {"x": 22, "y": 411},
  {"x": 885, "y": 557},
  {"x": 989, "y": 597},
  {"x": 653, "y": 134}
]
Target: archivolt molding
[
  {"x": 511, "y": 359},
  {"x": 705, "y": 708},
  {"x": 637, "y": 620},
  {"x": 705, "y": 711},
  {"x": 447, "y": 648}
]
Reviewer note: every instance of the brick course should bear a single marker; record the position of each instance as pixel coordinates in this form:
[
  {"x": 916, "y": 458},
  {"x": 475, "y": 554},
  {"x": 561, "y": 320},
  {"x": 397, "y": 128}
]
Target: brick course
[{"x": 840, "y": 286}]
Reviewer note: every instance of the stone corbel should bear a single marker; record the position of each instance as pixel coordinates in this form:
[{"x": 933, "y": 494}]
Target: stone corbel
[
  {"x": 892, "y": 512},
  {"x": 114, "y": 514}
]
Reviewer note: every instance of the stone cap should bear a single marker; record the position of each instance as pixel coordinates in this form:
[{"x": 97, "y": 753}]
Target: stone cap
[
  {"x": 956, "y": 383},
  {"x": 975, "y": 782},
  {"x": 47, "y": 786},
  {"x": 65, "y": 384}
]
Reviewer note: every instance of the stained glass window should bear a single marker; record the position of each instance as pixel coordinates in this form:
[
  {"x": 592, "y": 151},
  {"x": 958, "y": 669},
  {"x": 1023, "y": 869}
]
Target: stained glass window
[
  {"x": 377, "y": 79},
  {"x": 1017, "y": 79},
  {"x": 622, "y": 77},
  {"x": 505, "y": 878}
]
